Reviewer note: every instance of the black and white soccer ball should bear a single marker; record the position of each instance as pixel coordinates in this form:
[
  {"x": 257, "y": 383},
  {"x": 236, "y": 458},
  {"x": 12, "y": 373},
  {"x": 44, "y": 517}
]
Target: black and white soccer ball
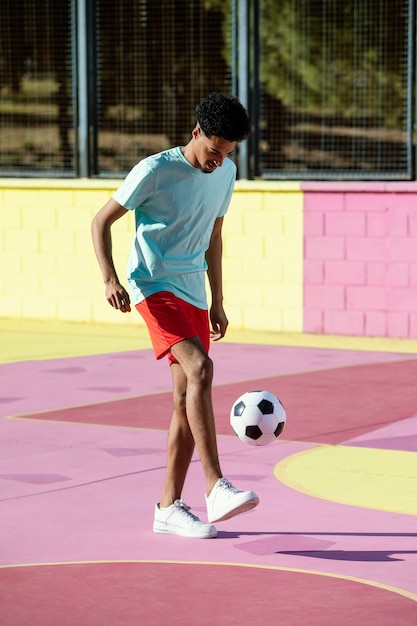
[{"x": 258, "y": 417}]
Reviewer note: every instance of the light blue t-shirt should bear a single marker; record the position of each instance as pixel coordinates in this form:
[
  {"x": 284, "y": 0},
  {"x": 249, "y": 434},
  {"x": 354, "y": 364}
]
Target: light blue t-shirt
[{"x": 175, "y": 207}]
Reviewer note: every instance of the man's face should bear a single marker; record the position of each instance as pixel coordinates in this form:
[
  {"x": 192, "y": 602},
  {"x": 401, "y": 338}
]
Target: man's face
[{"x": 210, "y": 153}]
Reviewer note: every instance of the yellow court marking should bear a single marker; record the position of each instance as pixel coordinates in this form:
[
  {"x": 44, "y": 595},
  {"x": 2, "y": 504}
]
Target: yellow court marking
[
  {"x": 385, "y": 480},
  {"x": 330, "y": 342},
  {"x": 372, "y": 583},
  {"x": 26, "y": 339}
]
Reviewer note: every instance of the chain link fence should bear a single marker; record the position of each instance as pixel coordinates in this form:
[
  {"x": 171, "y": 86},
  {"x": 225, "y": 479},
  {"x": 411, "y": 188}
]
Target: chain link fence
[{"x": 330, "y": 85}]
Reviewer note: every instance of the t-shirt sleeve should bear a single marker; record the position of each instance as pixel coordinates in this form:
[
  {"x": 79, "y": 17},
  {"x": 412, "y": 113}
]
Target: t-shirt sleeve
[
  {"x": 225, "y": 204},
  {"x": 137, "y": 188}
]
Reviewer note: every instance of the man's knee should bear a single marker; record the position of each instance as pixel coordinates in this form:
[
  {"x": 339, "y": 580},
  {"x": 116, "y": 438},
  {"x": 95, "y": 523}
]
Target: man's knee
[
  {"x": 180, "y": 400},
  {"x": 194, "y": 360},
  {"x": 200, "y": 370},
  {"x": 204, "y": 370}
]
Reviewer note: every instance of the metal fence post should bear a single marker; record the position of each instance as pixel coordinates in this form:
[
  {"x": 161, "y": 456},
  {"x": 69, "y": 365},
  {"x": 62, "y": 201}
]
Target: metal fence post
[
  {"x": 243, "y": 76},
  {"x": 82, "y": 89}
]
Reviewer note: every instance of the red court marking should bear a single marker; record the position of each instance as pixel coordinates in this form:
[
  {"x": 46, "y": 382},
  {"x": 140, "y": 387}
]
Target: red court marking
[
  {"x": 331, "y": 406},
  {"x": 327, "y": 406},
  {"x": 180, "y": 594}
]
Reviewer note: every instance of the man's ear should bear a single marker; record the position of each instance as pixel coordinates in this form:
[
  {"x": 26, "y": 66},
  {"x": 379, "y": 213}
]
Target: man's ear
[{"x": 196, "y": 132}]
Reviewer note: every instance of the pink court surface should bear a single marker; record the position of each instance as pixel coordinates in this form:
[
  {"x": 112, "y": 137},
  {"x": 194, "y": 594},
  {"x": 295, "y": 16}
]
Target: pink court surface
[{"x": 84, "y": 412}]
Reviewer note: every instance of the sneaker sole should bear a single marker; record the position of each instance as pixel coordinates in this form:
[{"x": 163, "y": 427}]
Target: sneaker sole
[
  {"x": 164, "y": 530},
  {"x": 242, "y": 508}
]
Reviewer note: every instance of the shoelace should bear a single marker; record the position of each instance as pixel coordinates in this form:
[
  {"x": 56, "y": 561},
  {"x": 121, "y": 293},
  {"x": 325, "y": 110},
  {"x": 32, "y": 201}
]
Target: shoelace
[
  {"x": 227, "y": 486},
  {"x": 184, "y": 509}
]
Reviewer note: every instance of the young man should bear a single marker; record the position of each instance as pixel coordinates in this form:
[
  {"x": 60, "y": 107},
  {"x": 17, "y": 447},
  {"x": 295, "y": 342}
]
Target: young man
[{"x": 179, "y": 197}]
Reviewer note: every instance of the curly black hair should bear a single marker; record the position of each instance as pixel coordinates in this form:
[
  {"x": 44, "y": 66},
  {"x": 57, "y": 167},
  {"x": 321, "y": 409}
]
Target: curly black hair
[{"x": 223, "y": 116}]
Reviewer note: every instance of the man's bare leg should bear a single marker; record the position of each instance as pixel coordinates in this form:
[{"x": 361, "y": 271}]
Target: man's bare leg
[
  {"x": 171, "y": 516},
  {"x": 193, "y": 423},
  {"x": 192, "y": 394},
  {"x": 180, "y": 441}
]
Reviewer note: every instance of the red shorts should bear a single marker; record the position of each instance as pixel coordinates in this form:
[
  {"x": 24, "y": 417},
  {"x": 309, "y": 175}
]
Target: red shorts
[{"x": 170, "y": 320}]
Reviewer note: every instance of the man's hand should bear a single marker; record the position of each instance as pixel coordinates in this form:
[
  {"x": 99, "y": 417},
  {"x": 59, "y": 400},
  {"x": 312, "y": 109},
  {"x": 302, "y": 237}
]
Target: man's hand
[
  {"x": 118, "y": 297},
  {"x": 219, "y": 323}
]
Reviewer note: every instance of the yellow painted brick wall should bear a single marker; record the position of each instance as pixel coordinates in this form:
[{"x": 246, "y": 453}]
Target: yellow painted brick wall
[
  {"x": 49, "y": 271},
  {"x": 263, "y": 252}
]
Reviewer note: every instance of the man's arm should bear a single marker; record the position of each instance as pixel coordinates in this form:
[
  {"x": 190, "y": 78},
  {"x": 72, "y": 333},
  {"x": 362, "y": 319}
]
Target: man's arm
[
  {"x": 214, "y": 253},
  {"x": 116, "y": 294}
]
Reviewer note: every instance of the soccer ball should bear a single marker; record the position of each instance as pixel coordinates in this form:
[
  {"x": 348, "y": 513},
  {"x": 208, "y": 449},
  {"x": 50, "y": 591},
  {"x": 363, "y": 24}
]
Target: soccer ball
[{"x": 257, "y": 418}]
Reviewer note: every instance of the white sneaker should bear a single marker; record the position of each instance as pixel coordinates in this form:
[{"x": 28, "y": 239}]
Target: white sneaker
[
  {"x": 225, "y": 501},
  {"x": 177, "y": 519}
]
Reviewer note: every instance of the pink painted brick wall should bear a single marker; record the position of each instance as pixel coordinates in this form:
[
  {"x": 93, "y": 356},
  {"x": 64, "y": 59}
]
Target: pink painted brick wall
[{"x": 360, "y": 259}]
